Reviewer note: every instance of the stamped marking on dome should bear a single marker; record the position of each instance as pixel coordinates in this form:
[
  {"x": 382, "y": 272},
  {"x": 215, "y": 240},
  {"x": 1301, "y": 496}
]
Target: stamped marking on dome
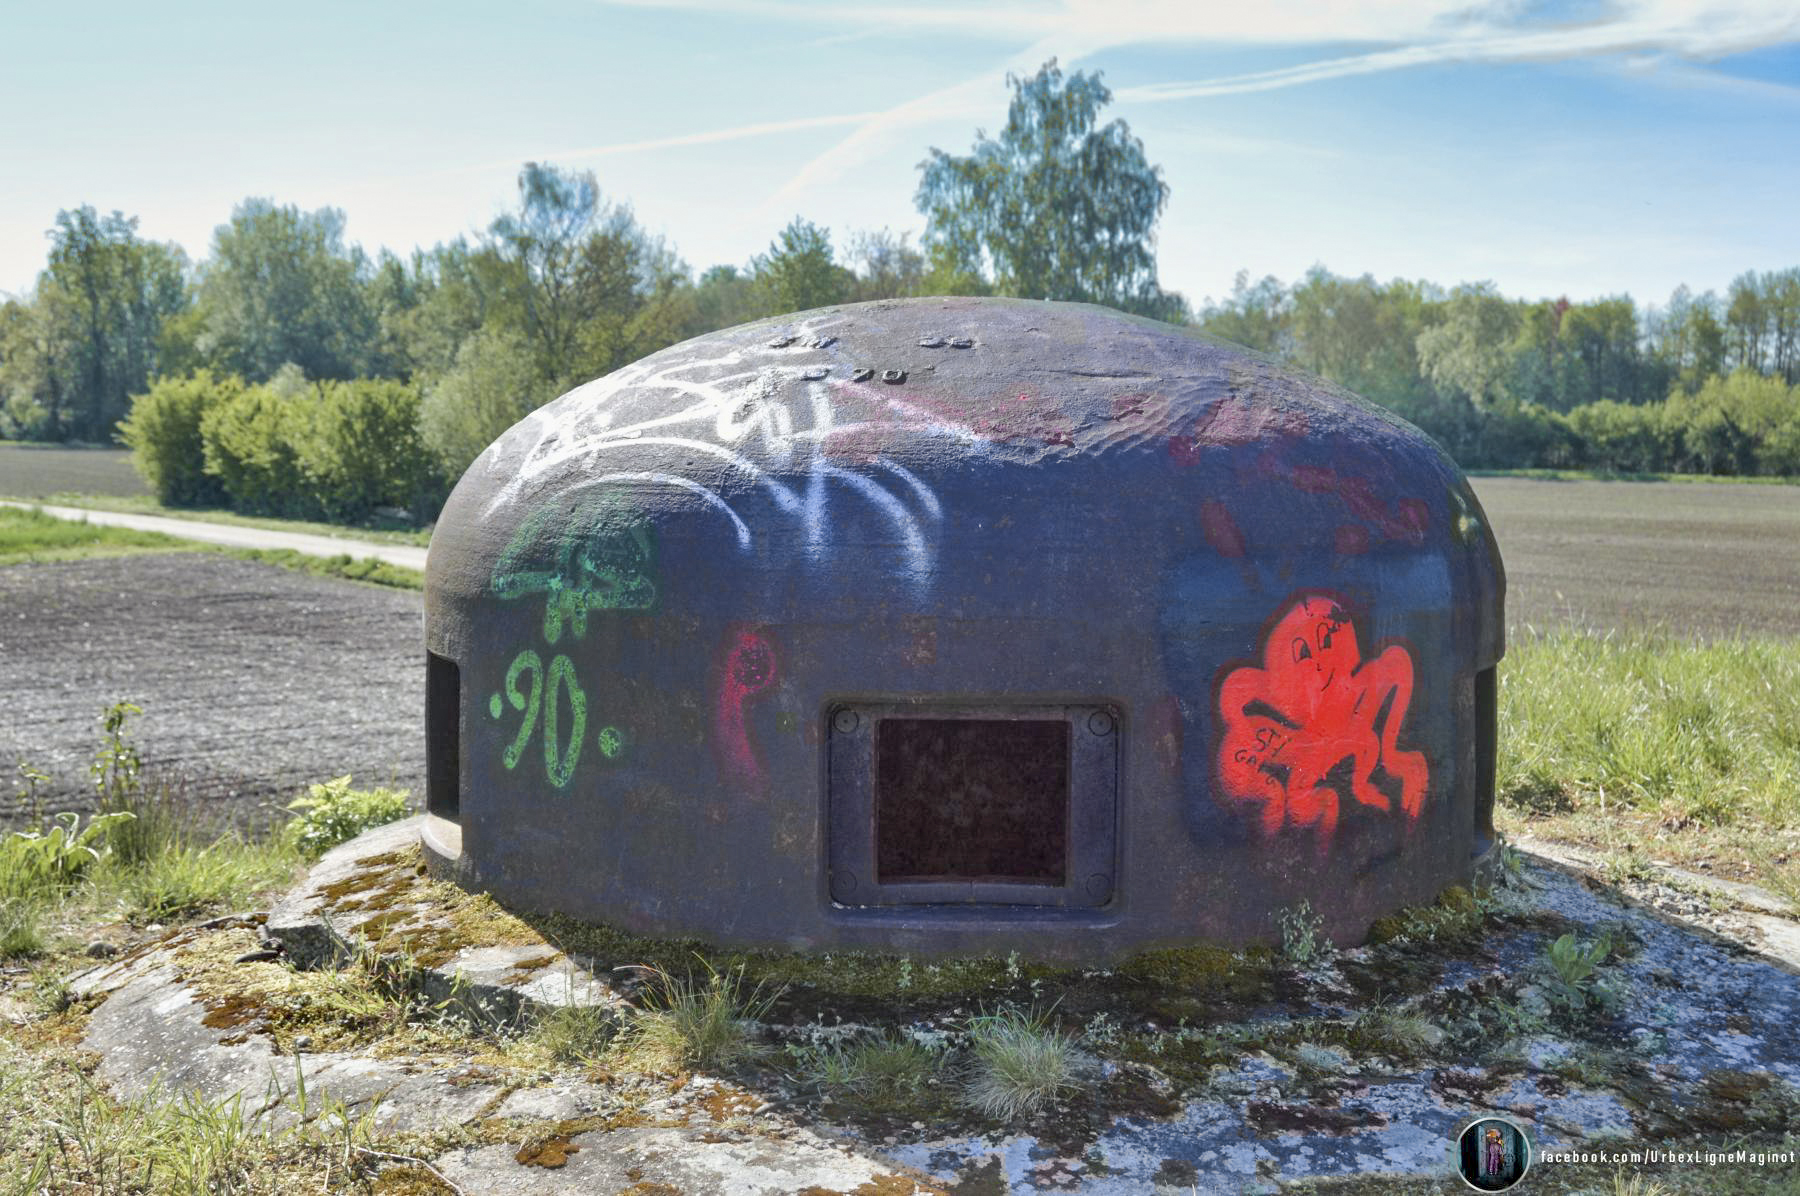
[{"x": 1315, "y": 705}]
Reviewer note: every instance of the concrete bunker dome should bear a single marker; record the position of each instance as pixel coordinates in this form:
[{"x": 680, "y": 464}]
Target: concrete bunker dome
[{"x": 961, "y": 625}]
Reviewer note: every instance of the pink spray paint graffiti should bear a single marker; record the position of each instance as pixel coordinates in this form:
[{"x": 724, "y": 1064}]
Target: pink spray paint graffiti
[
  {"x": 1315, "y": 706},
  {"x": 747, "y": 669}
]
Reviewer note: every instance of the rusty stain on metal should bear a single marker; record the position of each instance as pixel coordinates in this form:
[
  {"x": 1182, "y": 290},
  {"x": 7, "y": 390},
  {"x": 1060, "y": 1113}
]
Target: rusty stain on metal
[{"x": 1109, "y": 636}]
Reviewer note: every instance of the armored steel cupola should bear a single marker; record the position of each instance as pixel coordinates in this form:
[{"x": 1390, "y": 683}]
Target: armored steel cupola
[{"x": 955, "y": 625}]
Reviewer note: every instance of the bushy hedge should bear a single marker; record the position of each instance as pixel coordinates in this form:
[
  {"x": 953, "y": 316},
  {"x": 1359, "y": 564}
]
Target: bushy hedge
[
  {"x": 163, "y": 432},
  {"x": 252, "y": 443},
  {"x": 361, "y": 450},
  {"x": 332, "y": 450}
]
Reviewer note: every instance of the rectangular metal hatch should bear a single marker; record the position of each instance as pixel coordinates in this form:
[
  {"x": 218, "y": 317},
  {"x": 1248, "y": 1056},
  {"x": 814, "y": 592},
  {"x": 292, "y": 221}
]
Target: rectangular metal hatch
[{"x": 1011, "y": 805}]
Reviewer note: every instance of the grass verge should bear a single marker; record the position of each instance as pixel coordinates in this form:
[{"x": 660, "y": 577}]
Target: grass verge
[
  {"x": 145, "y": 505},
  {"x": 31, "y": 535},
  {"x": 1645, "y": 742}
]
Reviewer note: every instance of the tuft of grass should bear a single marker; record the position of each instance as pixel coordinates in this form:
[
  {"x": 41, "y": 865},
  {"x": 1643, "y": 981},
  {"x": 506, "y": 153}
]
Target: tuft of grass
[
  {"x": 1021, "y": 1063},
  {"x": 21, "y": 928},
  {"x": 574, "y": 1033},
  {"x": 184, "y": 880},
  {"x": 885, "y": 1072},
  {"x": 687, "y": 1022},
  {"x": 1384, "y": 1029}
]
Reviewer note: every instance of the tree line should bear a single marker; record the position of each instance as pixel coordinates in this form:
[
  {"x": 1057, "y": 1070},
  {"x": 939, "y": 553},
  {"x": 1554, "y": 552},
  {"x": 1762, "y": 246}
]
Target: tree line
[
  {"x": 260, "y": 376},
  {"x": 1703, "y": 384}
]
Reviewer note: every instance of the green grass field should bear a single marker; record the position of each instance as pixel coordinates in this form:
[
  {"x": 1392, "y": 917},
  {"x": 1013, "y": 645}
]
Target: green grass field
[{"x": 1682, "y": 750}]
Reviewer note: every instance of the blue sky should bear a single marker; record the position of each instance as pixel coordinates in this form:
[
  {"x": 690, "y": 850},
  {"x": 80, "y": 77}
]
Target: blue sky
[{"x": 1583, "y": 149}]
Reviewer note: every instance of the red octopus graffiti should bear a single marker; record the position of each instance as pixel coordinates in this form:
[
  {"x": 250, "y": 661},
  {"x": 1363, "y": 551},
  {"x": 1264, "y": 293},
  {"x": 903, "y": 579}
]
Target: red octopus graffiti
[{"x": 1315, "y": 704}]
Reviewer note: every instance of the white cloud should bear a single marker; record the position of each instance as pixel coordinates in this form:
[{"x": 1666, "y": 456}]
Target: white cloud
[{"x": 1689, "y": 32}]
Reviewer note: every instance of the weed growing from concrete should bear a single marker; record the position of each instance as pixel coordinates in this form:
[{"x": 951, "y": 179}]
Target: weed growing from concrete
[
  {"x": 1021, "y": 1063},
  {"x": 573, "y": 1033},
  {"x": 1570, "y": 968},
  {"x": 887, "y": 1072},
  {"x": 1388, "y": 1030},
  {"x": 1313, "y": 1059},
  {"x": 1302, "y": 937},
  {"x": 687, "y": 1022}
]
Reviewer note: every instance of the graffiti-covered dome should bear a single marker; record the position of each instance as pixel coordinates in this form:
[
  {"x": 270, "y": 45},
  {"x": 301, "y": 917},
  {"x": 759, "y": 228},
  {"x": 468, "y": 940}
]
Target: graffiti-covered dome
[{"x": 950, "y": 625}]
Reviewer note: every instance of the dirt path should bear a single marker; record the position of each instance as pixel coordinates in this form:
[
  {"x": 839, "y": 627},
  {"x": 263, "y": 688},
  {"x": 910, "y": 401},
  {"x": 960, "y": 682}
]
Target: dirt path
[
  {"x": 254, "y": 680},
  {"x": 236, "y": 536}
]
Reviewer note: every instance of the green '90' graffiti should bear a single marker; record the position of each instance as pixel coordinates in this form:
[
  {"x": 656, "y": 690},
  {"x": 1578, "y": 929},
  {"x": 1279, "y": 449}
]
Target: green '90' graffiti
[{"x": 559, "y": 765}]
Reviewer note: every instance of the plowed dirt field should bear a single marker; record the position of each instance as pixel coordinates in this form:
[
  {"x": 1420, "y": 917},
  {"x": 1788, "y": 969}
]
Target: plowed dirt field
[{"x": 254, "y": 680}]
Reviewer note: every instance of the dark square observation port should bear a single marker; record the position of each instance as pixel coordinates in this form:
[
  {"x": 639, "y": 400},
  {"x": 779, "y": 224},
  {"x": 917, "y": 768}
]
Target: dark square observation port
[{"x": 989, "y": 805}]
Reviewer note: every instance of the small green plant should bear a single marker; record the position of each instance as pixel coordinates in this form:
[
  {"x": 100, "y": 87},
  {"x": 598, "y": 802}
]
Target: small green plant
[
  {"x": 1623, "y": 868},
  {"x": 46, "y": 863},
  {"x": 27, "y": 793},
  {"x": 1021, "y": 1063},
  {"x": 117, "y": 767},
  {"x": 1574, "y": 961},
  {"x": 1302, "y": 938},
  {"x": 117, "y": 770},
  {"x": 1571, "y": 971},
  {"x": 333, "y": 813}
]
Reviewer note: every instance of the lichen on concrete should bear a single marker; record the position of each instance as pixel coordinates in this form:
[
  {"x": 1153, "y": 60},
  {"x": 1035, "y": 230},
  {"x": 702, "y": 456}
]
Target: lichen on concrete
[{"x": 1243, "y": 1071}]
